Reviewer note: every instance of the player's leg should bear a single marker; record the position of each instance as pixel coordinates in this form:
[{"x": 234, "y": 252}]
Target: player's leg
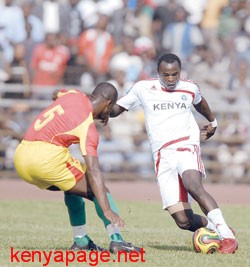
[
  {"x": 73, "y": 199},
  {"x": 113, "y": 231},
  {"x": 44, "y": 165},
  {"x": 77, "y": 216},
  {"x": 192, "y": 181},
  {"x": 116, "y": 240},
  {"x": 192, "y": 176},
  {"x": 186, "y": 219},
  {"x": 117, "y": 243},
  {"x": 72, "y": 181},
  {"x": 181, "y": 210},
  {"x": 175, "y": 197}
]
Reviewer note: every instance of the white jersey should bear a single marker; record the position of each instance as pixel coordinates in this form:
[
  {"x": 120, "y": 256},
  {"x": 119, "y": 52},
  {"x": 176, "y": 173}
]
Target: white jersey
[{"x": 169, "y": 119}]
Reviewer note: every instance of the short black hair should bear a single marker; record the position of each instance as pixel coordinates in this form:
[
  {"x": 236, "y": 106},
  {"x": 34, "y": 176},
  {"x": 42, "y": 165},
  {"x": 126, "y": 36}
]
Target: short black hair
[
  {"x": 168, "y": 58},
  {"x": 106, "y": 90}
]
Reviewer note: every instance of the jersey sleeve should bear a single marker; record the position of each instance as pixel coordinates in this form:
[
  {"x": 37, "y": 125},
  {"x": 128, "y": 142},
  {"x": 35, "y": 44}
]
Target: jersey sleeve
[
  {"x": 89, "y": 142},
  {"x": 131, "y": 99},
  {"x": 197, "y": 95}
]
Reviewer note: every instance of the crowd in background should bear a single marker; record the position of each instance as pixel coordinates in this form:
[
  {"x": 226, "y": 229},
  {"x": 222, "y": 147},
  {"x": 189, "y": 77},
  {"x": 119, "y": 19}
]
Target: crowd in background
[{"x": 44, "y": 44}]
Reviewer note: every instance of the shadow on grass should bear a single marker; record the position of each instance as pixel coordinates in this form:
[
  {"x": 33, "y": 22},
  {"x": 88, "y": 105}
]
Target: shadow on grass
[
  {"x": 62, "y": 247},
  {"x": 171, "y": 248}
]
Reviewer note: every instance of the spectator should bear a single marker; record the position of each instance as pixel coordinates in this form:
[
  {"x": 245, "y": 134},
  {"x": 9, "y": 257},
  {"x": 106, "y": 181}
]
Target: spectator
[
  {"x": 12, "y": 28},
  {"x": 19, "y": 73},
  {"x": 164, "y": 15},
  {"x": 126, "y": 59},
  {"x": 34, "y": 31},
  {"x": 29, "y": 45},
  {"x": 238, "y": 89},
  {"x": 233, "y": 155},
  {"x": 33, "y": 25},
  {"x": 70, "y": 38},
  {"x": 210, "y": 23},
  {"x": 75, "y": 22},
  {"x": 53, "y": 15},
  {"x": 181, "y": 37},
  {"x": 165, "y": 12},
  {"x": 118, "y": 69},
  {"x": 119, "y": 23},
  {"x": 144, "y": 47},
  {"x": 96, "y": 47},
  {"x": 195, "y": 12},
  {"x": 133, "y": 18},
  {"x": 88, "y": 10},
  {"x": 11, "y": 133},
  {"x": 4, "y": 67},
  {"x": 204, "y": 62},
  {"x": 112, "y": 151},
  {"x": 229, "y": 25},
  {"x": 143, "y": 14},
  {"x": 49, "y": 61}
]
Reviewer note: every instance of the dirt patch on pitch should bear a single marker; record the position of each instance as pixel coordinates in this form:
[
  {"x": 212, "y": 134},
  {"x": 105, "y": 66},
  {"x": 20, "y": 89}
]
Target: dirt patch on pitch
[{"x": 131, "y": 190}]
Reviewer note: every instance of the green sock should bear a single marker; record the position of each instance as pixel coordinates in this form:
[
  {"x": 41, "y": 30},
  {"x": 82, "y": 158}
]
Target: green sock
[
  {"x": 82, "y": 241},
  {"x": 100, "y": 212},
  {"x": 116, "y": 236},
  {"x": 76, "y": 209}
]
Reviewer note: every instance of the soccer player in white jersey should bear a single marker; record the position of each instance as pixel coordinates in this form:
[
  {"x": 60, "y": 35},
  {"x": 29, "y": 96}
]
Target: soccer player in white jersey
[{"x": 175, "y": 142}]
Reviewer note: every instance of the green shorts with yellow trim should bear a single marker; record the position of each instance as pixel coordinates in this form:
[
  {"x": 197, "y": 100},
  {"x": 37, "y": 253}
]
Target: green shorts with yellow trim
[{"x": 47, "y": 165}]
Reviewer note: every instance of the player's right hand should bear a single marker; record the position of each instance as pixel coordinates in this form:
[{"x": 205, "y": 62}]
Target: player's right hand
[
  {"x": 55, "y": 95},
  {"x": 114, "y": 218},
  {"x": 207, "y": 131}
]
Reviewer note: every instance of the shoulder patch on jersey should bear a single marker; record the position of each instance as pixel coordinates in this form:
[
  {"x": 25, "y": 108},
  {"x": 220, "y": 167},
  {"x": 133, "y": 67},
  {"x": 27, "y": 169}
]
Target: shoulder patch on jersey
[
  {"x": 190, "y": 81},
  {"x": 63, "y": 92}
]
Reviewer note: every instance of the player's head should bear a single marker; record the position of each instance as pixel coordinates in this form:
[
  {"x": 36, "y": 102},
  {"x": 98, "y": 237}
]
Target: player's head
[
  {"x": 103, "y": 99},
  {"x": 169, "y": 70}
]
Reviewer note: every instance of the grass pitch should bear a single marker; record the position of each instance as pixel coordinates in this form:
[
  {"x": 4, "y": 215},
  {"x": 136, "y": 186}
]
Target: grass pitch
[{"x": 44, "y": 226}]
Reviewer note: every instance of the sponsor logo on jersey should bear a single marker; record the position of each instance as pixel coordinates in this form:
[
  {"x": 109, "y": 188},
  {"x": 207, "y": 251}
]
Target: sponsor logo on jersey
[
  {"x": 184, "y": 98},
  {"x": 169, "y": 105}
]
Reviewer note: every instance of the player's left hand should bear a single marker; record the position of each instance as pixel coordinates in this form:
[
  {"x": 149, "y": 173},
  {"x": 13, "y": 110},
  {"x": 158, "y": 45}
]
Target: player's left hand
[
  {"x": 114, "y": 218},
  {"x": 207, "y": 131}
]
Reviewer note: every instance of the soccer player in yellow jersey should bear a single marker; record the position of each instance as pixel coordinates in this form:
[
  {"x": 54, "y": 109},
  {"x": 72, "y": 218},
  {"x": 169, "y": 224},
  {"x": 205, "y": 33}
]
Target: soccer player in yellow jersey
[{"x": 43, "y": 159}]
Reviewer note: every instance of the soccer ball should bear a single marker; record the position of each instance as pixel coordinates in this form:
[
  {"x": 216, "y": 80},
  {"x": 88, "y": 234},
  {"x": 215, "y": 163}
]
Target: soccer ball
[{"x": 205, "y": 241}]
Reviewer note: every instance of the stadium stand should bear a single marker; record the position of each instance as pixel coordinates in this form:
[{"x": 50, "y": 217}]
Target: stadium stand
[{"x": 217, "y": 58}]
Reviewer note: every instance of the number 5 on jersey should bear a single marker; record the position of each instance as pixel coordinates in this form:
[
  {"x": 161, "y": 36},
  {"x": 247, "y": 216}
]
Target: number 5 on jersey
[{"x": 48, "y": 116}]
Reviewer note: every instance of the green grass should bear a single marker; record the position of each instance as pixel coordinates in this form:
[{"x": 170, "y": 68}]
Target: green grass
[{"x": 44, "y": 225}]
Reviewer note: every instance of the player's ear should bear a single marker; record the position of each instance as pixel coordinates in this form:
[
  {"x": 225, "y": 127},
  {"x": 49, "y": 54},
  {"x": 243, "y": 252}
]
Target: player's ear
[
  {"x": 55, "y": 95},
  {"x": 109, "y": 104}
]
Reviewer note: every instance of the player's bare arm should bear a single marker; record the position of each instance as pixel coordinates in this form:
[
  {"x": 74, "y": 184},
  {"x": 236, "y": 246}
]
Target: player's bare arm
[
  {"x": 116, "y": 111},
  {"x": 96, "y": 181},
  {"x": 208, "y": 130}
]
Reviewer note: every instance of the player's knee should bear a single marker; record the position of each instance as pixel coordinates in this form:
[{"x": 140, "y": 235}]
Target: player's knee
[
  {"x": 187, "y": 224},
  {"x": 181, "y": 220},
  {"x": 184, "y": 225}
]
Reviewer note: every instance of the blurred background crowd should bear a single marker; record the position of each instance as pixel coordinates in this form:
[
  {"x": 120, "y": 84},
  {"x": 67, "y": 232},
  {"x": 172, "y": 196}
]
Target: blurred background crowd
[{"x": 78, "y": 43}]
